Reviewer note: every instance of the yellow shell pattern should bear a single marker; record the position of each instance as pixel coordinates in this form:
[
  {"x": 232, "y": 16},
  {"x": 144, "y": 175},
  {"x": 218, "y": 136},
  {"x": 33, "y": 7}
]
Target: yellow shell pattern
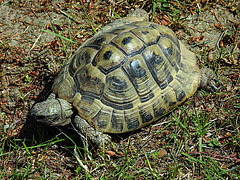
[{"x": 127, "y": 76}]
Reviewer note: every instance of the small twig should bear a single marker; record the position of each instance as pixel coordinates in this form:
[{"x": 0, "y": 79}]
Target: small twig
[
  {"x": 195, "y": 29},
  {"x": 205, "y": 42},
  {"x": 220, "y": 37},
  {"x": 20, "y": 20},
  {"x": 233, "y": 21},
  {"x": 215, "y": 15},
  {"x": 238, "y": 26},
  {"x": 34, "y": 43},
  {"x": 31, "y": 23},
  {"x": 90, "y": 5},
  {"x": 235, "y": 38},
  {"x": 85, "y": 167},
  {"x": 34, "y": 13}
]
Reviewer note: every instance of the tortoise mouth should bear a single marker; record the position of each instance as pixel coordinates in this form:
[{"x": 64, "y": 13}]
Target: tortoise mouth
[
  {"x": 40, "y": 117},
  {"x": 49, "y": 120},
  {"x": 52, "y": 120}
]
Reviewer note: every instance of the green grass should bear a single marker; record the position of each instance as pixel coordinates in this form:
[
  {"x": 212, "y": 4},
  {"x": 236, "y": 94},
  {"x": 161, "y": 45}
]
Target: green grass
[{"x": 135, "y": 161}]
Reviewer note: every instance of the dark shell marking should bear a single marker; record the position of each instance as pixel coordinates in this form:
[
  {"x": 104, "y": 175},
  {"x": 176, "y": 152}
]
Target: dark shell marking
[{"x": 127, "y": 76}]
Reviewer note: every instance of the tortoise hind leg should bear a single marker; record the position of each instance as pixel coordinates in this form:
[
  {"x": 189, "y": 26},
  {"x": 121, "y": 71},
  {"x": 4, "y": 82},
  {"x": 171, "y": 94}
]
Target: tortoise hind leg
[
  {"x": 90, "y": 133},
  {"x": 208, "y": 79}
]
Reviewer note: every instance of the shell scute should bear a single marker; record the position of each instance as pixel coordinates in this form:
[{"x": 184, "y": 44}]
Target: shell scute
[
  {"x": 90, "y": 80},
  {"x": 119, "y": 92},
  {"x": 147, "y": 35},
  {"x": 117, "y": 121},
  {"x": 132, "y": 119},
  {"x": 65, "y": 80},
  {"x": 102, "y": 119},
  {"x": 109, "y": 58},
  {"x": 166, "y": 32},
  {"x": 128, "y": 43},
  {"x": 136, "y": 69},
  {"x": 146, "y": 113},
  {"x": 171, "y": 52},
  {"x": 80, "y": 59},
  {"x": 99, "y": 40},
  {"x": 87, "y": 106},
  {"x": 159, "y": 107}
]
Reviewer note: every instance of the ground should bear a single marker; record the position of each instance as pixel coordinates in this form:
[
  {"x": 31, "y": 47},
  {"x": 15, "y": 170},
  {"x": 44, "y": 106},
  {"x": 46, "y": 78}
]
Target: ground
[{"x": 199, "y": 139}]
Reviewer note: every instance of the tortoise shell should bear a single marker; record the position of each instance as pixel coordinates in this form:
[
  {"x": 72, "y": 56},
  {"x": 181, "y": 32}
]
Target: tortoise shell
[{"x": 128, "y": 75}]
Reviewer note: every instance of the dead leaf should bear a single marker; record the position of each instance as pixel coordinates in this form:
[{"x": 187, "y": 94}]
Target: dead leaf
[
  {"x": 219, "y": 26},
  {"x": 162, "y": 152},
  {"x": 111, "y": 153}
]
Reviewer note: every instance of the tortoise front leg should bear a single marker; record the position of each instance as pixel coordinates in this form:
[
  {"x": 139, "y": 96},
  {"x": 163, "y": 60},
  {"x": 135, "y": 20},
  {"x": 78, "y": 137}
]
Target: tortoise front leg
[{"x": 90, "y": 133}]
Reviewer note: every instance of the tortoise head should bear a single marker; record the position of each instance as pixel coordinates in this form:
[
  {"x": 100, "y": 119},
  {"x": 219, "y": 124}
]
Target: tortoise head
[{"x": 54, "y": 112}]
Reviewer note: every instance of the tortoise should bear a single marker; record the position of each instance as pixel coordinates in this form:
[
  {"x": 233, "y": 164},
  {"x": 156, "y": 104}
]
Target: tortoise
[{"x": 125, "y": 77}]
